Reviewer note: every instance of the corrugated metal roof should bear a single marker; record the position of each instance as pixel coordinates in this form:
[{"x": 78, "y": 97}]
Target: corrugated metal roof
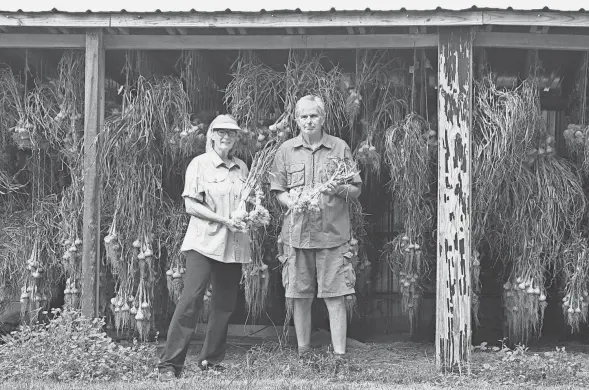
[{"x": 148, "y": 6}]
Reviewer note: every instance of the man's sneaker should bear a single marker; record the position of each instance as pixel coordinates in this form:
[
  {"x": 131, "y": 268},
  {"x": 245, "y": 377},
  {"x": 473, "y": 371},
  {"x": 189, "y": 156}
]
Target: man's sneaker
[
  {"x": 166, "y": 376},
  {"x": 205, "y": 366}
]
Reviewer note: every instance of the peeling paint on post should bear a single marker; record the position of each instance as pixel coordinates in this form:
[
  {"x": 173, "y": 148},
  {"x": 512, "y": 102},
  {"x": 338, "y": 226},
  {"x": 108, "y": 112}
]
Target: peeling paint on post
[
  {"x": 453, "y": 327},
  {"x": 93, "y": 121}
]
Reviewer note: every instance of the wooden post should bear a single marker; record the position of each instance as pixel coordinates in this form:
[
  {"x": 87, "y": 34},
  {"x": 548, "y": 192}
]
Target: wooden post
[
  {"x": 453, "y": 328},
  {"x": 93, "y": 121}
]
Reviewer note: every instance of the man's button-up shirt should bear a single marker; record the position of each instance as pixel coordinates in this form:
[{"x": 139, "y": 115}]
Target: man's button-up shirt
[{"x": 297, "y": 164}]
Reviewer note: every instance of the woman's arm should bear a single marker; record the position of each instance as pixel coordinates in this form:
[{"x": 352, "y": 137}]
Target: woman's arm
[
  {"x": 198, "y": 210},
  {"x": 283, "y": 198}
]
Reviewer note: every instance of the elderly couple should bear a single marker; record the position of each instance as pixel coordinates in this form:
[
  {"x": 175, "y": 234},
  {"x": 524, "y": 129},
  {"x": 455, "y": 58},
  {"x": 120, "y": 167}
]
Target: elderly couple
[{"x": 214, "y": 248}]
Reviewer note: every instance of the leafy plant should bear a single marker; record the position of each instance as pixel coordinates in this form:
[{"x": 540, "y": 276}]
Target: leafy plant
[{"x": 71, "y": 347}]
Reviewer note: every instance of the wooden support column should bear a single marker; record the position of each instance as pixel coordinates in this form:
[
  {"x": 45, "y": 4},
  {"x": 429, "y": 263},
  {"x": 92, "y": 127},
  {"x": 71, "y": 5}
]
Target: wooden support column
[
  {"x": 93, "y": 121},
  {"x": 453, "y": 321}
]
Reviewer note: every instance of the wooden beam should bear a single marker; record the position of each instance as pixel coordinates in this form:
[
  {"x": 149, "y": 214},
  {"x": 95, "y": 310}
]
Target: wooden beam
[
  {"x": 306, "y": 19},
  {"x": 93, "y": 121},
  {"x": 539, "y": 29},
  {"x": 530, "y": 18},
  {"x": 54, "y": 19},
  {"x": 236, "y": 42},
  {"x": 453, "y": 311},
  {"x": 532, "y": 41},
  {"x": 49, "y": 41}
]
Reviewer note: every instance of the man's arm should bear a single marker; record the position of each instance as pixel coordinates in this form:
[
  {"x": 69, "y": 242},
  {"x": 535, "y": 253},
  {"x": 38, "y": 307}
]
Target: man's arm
[{"x": 343, "y": 190}]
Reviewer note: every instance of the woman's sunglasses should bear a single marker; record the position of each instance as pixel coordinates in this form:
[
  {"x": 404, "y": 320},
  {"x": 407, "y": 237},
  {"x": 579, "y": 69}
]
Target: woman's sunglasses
[{"x": 229, "y": 133}]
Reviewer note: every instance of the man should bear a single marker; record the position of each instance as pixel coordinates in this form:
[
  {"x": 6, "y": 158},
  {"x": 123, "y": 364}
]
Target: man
[{"x": 315, "y": 261}]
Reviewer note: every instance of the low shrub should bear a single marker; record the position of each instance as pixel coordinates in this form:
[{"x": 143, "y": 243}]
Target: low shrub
[{"x": 72, "y": 347}]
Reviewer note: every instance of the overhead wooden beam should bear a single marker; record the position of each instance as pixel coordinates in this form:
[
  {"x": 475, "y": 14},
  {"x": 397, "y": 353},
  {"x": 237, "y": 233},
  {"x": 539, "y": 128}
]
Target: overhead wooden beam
[
  {"x": 49, "y": 41},
  {"x": 93, "y": 121},
  {"x": 235, "y": 42},
  {"x": 453, "y": 310},
  {"x": 534, "y": 18},
  {"x": 532, "y": 41},
  {"x": 307, "y": 19}
]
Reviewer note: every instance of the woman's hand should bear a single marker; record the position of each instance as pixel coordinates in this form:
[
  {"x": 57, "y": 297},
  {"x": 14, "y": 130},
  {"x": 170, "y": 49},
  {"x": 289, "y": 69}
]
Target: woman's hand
[{"x": 234, "y": 225}]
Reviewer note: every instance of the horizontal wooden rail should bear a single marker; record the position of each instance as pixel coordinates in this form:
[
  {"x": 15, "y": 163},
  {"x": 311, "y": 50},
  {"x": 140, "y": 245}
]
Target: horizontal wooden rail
[
  {"x": 269, "y": 42},
  {"x": 532, "y": 41}
]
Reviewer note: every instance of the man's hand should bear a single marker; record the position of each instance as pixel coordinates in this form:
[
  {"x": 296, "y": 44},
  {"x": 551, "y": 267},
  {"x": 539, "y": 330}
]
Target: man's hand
[{"x": 332, "y": 188}]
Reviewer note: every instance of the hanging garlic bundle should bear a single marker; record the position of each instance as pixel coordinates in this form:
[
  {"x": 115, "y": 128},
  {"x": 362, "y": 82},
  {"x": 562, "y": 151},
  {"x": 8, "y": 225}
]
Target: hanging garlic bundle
[
  {"x": 404, "y": 255},
  {"x": 410, "y": 289},
  {"x": 122, "y": 306},
  {"x": 524, "y": 299},
  {"x": 175, "y": 279},
  {"x": 113, "y": 248},
  {"x": 143, "y": 315},
  {"x": 255, "y": 277},
  {"x": 72, "y": 264},
  {"x": 32, "y": 298},
  {"x": 352, "y": 259},
  {"x": 72, "y": 293},
  {"x": 575, "y": 302},
  {"x": 206, "y": 308}
]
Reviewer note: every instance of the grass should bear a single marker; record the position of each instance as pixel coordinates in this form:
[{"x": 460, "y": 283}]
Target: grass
[{"x": 399, "y": 365}]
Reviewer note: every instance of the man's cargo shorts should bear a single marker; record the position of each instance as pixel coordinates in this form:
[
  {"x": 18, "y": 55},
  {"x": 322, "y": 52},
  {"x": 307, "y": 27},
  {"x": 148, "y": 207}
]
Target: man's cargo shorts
[{"x": 325, "y": 273}]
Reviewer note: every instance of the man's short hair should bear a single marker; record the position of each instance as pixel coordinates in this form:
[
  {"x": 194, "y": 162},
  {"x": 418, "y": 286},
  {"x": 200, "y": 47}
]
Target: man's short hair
[{"x": 311, "y": 98}]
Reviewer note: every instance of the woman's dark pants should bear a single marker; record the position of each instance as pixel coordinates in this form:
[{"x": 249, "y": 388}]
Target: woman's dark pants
[{"x": 225, "y": 280}]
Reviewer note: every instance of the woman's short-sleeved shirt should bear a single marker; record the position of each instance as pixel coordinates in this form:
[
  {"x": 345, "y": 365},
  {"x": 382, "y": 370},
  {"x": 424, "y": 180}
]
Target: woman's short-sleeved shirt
[{"x": 217, "y": 186}]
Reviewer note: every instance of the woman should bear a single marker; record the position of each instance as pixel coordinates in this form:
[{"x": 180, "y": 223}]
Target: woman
[{"x": 214, "y": 249}]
